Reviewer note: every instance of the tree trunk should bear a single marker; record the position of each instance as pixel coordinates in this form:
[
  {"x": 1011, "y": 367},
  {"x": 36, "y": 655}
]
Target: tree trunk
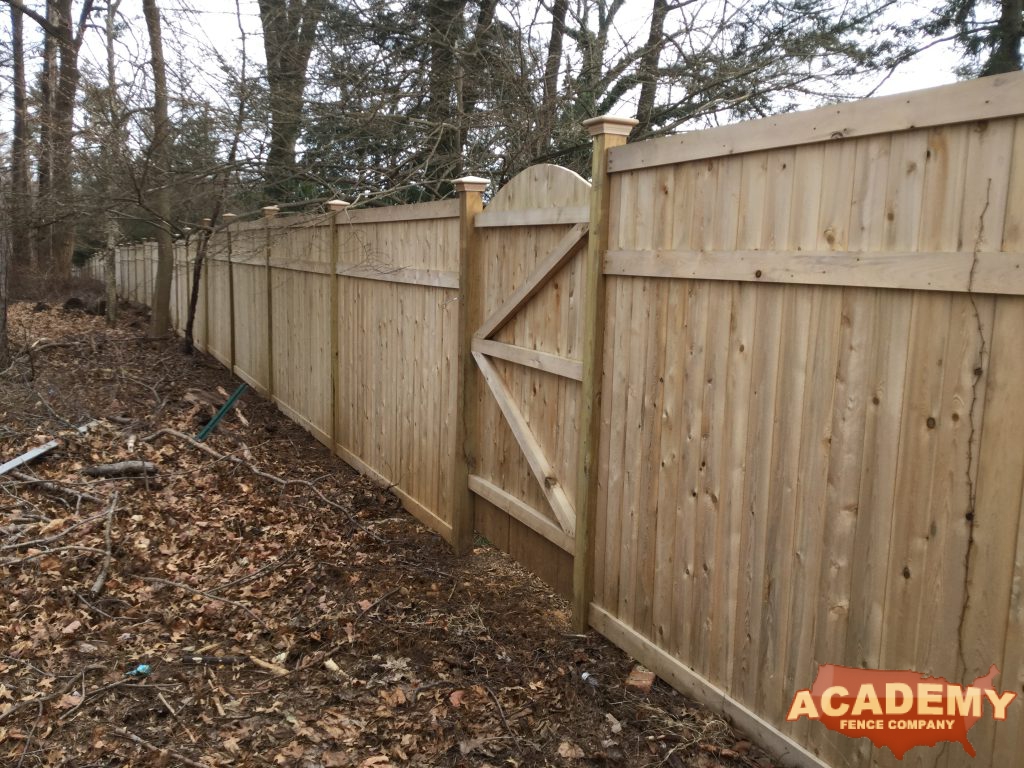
[
  {"x": 4, "y": 261},
  {"x": 289, "y": 31},
  {"x": 445, "y": 29},
  {"x": 44, "y": 160},
  {"x": 56, "y": 191},
  {"x": 21, "y": 243},
  {"x": 63, "y": 242},
  {"x": 111, "y": 150},
  {"x": 1008, "y": 35},
  {"x": 160, "y": 320},
  {"x": 549, "y": 101},
  {"x": 110, "y": 272},
  {"x": 647, "y": 70}
]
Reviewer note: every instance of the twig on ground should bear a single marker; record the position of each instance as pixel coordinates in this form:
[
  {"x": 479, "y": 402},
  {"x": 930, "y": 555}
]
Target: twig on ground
[
  {"x": 89, "y": 606},
  {"x": 251, "y": 576},
  {"x": 49, "y": 539},
  {"x": 101, "y": 579},
  {"x": 53, "y": 487},
  {"x": 45, "y": 552},
  {"x": 52, "y": 695},
  {"x": 96, "y": 691},
  {"x": 501, "y": 714},
  {"x": 283, "y": 481},
  {"x": 31, "y": 735},
  {"x": 207, "y": 595},
  {"x": 374, "y": 604},
  {"x": 125, "y": 734},
  {"x": 174, "y": 714}
]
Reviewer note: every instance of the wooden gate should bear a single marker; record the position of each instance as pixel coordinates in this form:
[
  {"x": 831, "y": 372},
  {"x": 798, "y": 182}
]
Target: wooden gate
[{"x": 527, "y": 345}]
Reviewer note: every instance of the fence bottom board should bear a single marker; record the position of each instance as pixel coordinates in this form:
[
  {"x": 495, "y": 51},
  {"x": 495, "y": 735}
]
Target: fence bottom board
[
  {"x": 303, "y": 422},
  {"x": 258, "y": 388},
  {"x": 410, "y": 504},
  {"x": 688, "y": 682}
]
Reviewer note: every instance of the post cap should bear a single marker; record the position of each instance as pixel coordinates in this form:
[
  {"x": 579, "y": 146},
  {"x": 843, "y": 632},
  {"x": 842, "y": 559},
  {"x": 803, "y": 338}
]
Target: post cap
[
  {"x": 270, "y": 211},
  {"x": 471, "y": 184},
  {"x": 206, "y": 222},
  {"x": 337, "y": 205},
  {"x": 605, "y": 124},
  {"x": 229, "y": 217}
]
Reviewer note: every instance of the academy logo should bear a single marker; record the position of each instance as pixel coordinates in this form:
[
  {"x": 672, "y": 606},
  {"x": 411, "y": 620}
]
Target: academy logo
[{"x": 899, "y": 709}]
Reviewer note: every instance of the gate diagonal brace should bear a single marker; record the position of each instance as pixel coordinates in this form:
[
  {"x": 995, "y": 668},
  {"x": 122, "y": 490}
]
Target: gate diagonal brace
[{"x": 542, "y": 469}]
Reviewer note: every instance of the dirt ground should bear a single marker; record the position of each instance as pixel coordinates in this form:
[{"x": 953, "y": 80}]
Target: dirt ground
[{"x": 262, "y": 604}]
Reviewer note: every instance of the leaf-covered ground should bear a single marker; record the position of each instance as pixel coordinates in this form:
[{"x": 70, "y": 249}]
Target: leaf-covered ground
[{"x": 277, "y": 623}]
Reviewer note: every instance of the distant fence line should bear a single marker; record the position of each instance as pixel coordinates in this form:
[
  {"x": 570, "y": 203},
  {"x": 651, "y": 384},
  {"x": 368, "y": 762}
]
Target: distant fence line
[{"x": 752, "y": 397}]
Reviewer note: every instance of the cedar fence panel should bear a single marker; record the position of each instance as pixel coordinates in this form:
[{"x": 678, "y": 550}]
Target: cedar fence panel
[{"x": 809, "y": 410}]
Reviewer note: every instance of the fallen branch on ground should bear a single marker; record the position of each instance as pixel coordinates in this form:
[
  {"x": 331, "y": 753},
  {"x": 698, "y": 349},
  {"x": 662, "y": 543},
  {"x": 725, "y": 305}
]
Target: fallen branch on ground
[
  {"x": 121, "y": 469},
  {"x": 207, "y": 595},
  {"x": 101, "y": 579},
  {"x": 53, "y": 487},
  {"x": 215, "y": 661}
]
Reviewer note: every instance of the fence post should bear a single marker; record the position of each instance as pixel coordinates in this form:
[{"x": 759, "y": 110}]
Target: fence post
[
  {"x": 336, "y": 208},
  {"x": 607, "y": 132},
  {"x": 269, "y": 212},
  {"x": 229, "y": 219},
  {"x": 470, "y": 190}
]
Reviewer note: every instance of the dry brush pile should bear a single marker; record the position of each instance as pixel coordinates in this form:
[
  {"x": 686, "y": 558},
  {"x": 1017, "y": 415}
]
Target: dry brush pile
[{"x": 251, "y": 601}]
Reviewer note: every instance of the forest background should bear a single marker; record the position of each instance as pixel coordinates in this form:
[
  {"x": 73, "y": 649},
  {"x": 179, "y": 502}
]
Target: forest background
[{"x": 135, "y": 119}]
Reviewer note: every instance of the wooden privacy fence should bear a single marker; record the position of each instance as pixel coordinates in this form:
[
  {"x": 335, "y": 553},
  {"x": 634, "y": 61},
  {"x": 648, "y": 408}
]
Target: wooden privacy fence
[{"x": 753, "y": 396}]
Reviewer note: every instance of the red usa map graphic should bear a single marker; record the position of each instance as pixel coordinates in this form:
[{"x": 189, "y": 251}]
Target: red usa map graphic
[{"x": 899, "y": 709}]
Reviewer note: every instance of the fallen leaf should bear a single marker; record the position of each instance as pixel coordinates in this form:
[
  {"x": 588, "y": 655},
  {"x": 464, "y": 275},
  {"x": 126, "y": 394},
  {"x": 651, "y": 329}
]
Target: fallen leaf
[
  {"x": 569, "y": 750},
  {"x": 613, "y": 722},
  {"x": 50, "y": 527},
  {"x": 68, "y": 701},
  {"x": 466, "y": 746},
  {"x": 71, "y": 628}
]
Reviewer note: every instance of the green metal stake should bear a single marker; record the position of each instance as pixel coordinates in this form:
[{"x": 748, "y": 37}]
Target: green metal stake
[{"x": 205, "y": 432}]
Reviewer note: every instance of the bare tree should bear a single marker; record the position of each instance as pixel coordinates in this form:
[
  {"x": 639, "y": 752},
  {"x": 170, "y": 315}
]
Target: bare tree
[
  {"x": 20, "y": 196},
  {"x": 111, "y": 149},
  {"x": 160, "y": 319},
  {"x": 5, "y": 258},
  {"x": 66, "y": 35}
]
